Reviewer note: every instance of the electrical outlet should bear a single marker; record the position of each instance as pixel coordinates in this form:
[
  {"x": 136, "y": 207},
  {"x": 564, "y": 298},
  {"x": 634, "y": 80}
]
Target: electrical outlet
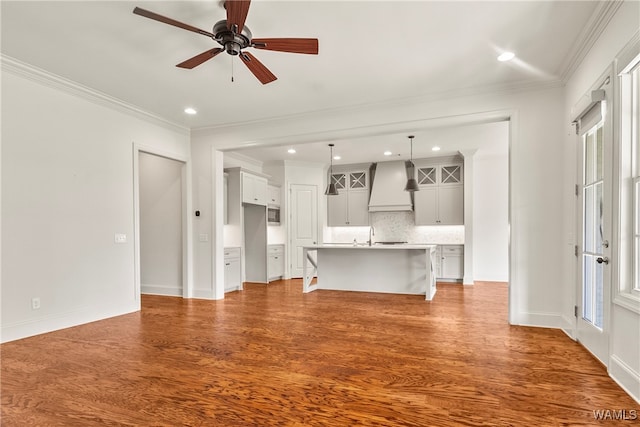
[
  {"x": 35, "y": 303},
  {"x": 204, "y": 237},
  {"x": 120, "y": 238}
]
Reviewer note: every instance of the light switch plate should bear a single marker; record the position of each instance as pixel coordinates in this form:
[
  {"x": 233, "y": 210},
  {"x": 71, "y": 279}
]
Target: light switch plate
[{"x": 204, "y": 237}]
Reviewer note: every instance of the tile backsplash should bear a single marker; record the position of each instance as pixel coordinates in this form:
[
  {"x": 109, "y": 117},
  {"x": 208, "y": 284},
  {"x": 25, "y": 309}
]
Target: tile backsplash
[{"x": 397, "y": 227}]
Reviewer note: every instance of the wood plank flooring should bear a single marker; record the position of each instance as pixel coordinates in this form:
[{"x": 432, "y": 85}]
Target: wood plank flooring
[{"x": 272, "y": 356}]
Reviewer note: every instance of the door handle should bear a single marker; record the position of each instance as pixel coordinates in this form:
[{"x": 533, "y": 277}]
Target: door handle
[{"x": 601, "y": 260}]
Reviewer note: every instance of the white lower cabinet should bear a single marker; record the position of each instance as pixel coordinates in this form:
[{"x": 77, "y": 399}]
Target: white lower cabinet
[
  {"x": 232, "y": 271},
  {"x": 450, "y": 262},
  {"x": 275, "y": 266}
]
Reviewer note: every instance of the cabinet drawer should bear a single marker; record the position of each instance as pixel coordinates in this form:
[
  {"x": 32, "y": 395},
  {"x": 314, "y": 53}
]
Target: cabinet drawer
[
  {"x": 452, "y": 250},
  {"x": 230, "y": 253},
  {"x": 275, "y": 249}
]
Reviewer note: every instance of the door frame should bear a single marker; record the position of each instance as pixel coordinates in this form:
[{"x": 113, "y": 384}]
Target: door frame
[{"x": 187, "y": 221}]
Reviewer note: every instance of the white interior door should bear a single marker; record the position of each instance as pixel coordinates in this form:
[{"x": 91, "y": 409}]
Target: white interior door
[
  {"x": 594, "y": 202},
  {"x": 304, "y": 223}
]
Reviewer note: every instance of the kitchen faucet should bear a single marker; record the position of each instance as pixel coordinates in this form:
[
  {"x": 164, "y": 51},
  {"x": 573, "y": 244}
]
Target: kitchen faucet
[{"x": 372, "y": 232}]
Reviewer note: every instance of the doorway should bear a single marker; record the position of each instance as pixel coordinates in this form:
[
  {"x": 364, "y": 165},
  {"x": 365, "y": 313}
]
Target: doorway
[{"x": 161, "y": 254}]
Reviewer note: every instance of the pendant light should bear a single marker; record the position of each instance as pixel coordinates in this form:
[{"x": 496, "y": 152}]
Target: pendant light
[
  {"x": 331, "y": 188},
  {"x": 412, "y": 184}
]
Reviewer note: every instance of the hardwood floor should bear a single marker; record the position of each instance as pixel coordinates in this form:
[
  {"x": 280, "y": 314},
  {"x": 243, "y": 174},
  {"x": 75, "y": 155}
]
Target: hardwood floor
[{"x": 272, "y": 356}]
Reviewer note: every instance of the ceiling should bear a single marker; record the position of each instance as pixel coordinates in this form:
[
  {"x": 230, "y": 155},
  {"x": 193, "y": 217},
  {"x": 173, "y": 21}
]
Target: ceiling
[
  {"x": 370, "y": 52},
  {"x": 484, "y": 139}
]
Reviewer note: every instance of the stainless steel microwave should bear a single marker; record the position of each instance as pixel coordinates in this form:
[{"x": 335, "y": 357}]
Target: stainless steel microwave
[{"x": 273, "y": 215}]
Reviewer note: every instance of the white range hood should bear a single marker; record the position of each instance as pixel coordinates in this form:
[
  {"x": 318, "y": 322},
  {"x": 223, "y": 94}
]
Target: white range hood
[{"x": 387, "y": 191}]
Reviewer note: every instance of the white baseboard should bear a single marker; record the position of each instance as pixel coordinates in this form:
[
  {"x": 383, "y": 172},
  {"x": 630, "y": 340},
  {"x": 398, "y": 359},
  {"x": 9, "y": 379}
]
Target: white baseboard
[
  {"x": 169, "y": 291},
  {"x": 569, "y": 327},
  {"x": 542, "y": 320},
  {"x": 625, "y": 376},
  {"x": 204, "y": 294},
  {"x": 54, "y": 322}
]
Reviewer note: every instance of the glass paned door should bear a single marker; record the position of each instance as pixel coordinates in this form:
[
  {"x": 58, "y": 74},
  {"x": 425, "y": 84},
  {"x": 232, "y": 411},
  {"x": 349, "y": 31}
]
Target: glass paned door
[
  {"x": 593, "y": 209},
  {"x": 594, "y": 273}
]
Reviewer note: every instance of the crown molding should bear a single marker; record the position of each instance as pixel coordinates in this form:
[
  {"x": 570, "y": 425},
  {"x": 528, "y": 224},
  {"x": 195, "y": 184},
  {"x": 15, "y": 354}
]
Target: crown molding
[
  {"x": 590, "y": 33},
  {"x": 38, "y": 75},
  {"x": 304, "y": 164},
  {"x": 493, "y": 90},
  {"x": 243, "y": 158}
]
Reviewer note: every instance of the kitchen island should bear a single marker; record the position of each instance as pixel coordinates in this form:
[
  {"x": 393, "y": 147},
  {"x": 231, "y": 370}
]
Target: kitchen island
[{"x": 398, "y": 269}]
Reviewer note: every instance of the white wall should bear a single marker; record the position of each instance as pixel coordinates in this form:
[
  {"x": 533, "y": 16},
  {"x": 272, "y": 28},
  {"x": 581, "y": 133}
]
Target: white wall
[
  {"x": 67, "y": 188},
  {"x": 202, "y": 201},
  {"x": 491, "y": 217},
  {"x": 160, "y": 181},
  {"x": 624, "y": 363}
]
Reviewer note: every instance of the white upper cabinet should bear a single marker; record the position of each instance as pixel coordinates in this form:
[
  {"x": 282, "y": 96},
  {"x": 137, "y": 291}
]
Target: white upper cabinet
[
  {"x": 351, "y": 205},
  {"x": 440, "y": 200},
  {"x": 254, "y": 189},
  {"x": 273, "y": 198}
]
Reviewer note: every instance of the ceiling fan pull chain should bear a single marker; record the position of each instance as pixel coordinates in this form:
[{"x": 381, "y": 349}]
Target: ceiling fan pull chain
[{"x": 232, "y": 69}]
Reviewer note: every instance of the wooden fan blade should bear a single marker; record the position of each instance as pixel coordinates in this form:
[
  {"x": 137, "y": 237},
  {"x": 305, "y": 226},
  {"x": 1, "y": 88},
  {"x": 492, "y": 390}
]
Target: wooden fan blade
[
  {"x": 165, "y": 20},
  {"x": 257, "y": 68},
  {"x": 308, "y": 46},
  {"x": 199, "y": 59},
  {"x": 237, "y": 11}
]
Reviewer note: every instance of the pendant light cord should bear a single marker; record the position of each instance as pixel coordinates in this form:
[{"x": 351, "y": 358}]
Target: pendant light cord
[{"x": 411, "y": 158}]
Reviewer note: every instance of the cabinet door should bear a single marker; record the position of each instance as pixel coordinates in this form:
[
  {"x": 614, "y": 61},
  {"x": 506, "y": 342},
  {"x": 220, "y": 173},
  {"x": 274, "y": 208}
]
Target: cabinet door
[
  {"x": 426, "y": 206},
  {"x": 337, "y": 209},
  {"x": 451, "y": 205},
  {"x": 358, "y": 180},
  {"x": 452, "y": 266},
  {"x": 272, "y": 266},
  {"x": 231, "y": 274},
  {"x": 254, "y": 189},
  {"x": 274, "y": 196},
  {"x": 427, "y": 176},
  {"x": 276, "y": 266},
  {"x": 260, "y": 190},
  {"x": 451, "y": 174},
  {"x": 358, "y": 207},
  {"x": 339, "y": 180},
  {"x": 248, "y": 184}
]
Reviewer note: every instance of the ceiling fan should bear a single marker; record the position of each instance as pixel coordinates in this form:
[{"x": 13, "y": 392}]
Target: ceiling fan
[{"x": 234, "y": 36}]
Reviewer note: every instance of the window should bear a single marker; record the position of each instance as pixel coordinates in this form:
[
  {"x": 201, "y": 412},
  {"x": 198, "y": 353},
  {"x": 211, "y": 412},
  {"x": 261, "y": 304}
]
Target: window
[
  {"x": 631, "y": 92},
  {"x": 627, "y": 293}
]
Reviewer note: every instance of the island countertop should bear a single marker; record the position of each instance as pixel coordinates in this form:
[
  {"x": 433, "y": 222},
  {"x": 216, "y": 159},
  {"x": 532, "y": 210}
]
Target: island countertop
[
  {"x": 391, "y": 268},
  {"x": 366, "y": 246}
]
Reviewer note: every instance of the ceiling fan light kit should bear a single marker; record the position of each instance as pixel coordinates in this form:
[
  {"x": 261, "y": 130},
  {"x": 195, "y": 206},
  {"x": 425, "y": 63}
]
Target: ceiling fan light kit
[{"x": 234, "y": 36}]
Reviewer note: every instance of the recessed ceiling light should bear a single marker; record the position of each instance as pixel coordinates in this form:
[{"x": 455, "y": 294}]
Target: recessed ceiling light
[
  {"x": 387, "y": 153},
  {"x": 336, "y": 157},
  {"x": 506, "y": 56},
  {"x": 291, "y": 151},
  {"x": 190, "y": 110},
  {"x": 436, "y": 148}
]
